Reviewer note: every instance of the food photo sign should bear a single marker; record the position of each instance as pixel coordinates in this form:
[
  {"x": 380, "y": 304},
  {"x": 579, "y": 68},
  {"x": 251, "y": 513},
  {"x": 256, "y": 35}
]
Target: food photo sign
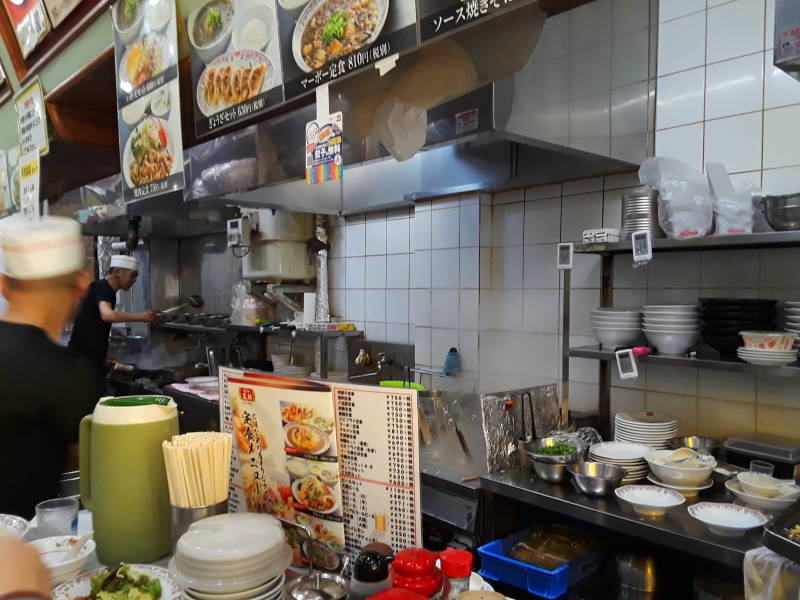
[
  {"x": 148, "y": 102},
  {"x": 236, "y": 61},
  {"x": 324, "y": 40},
  {"x": 339, "y": 460}
]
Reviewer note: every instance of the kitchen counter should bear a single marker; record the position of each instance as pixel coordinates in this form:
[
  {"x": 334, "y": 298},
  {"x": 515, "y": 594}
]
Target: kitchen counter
[{"x": 677, "y": 529}]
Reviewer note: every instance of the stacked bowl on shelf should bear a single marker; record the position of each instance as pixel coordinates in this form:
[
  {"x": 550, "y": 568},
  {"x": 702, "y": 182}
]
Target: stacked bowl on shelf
[
  {"x": 725, "y": 318},
  {"x": 671, "y": 328},
  {"x": 768, "y": 348},
  {"x": 236, "y": 556},
  {"x": 645, "y": 428},
  {"x": 616, "y": 327},
  {"x": 628, "y": 456}
]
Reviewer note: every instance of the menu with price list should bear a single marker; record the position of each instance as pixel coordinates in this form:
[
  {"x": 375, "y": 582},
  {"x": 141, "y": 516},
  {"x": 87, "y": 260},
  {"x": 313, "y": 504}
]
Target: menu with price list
[{"x": 340, "y": 460}]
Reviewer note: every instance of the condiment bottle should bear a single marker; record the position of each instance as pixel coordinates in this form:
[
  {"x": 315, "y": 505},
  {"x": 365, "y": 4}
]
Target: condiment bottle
[
  {"x": 414, "y": 569},
  {"x": 457, "y": 567},
  {"x": 370, "y": 575},
  {"x": 396, "y": 594}
]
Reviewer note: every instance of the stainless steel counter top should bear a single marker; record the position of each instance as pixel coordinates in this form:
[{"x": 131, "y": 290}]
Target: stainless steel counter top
[{"x": 677, "y": 529}]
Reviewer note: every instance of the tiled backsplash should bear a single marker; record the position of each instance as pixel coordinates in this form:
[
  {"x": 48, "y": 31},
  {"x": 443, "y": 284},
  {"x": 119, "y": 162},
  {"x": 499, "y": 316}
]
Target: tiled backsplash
[
  {"x": 478, "y": 272},
  {"x": 720, "y": 99}
]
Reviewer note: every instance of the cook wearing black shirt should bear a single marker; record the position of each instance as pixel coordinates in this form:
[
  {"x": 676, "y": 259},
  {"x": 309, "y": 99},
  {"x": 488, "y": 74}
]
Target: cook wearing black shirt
[
  {"x": 93, "y": 325},
  {"x": 45, "y": 391}
]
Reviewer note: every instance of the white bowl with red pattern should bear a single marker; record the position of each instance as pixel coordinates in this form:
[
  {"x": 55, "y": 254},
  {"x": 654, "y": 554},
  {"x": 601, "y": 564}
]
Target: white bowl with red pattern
[{"x": 768, "y": 340}]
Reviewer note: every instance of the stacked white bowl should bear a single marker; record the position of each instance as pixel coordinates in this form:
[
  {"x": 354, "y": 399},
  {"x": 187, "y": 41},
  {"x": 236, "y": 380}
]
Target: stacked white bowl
[
  {"x": 672, "y": 328},
  {"x": 646, "y": 428},
  {"x": 237, "y": 556},
  {"x": 630, "y": 457},
  {"x": 616, "y": 327}
]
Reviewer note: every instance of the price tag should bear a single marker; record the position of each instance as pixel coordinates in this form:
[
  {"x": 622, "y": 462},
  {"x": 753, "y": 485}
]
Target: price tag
[
  {"x": 626, "y": 363},
  {"x": 29, "y": 185},
  {"x": 565, "y": 252},
  {"x": 642, "y": 246}
]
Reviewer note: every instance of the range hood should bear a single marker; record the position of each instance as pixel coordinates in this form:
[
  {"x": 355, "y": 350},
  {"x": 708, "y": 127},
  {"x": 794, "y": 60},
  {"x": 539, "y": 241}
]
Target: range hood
[{"x": 537, "y": 100}]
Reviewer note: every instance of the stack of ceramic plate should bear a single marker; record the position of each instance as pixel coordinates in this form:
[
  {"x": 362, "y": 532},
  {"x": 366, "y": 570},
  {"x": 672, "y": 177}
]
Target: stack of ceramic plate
[
  {"x": 646, "y": 428},
  {"x": 767, "y": 358},
  {"x": 616, "y": 327},
  {"x": 623, "y": 454},
  {"x": 725, "y": 318},
  {"x": 238, "y": 556},
  {"x": 791, "y": 317},
  {"x": 640, "y": 213}
]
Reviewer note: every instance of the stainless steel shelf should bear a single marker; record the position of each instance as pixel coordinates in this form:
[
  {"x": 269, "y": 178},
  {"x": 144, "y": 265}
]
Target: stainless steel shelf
[
  {"x": 699, "y": 362},
  {"x": 677, "y": 529},
  {"x": 301, "y": 333},
  {"x": 712, "y": 242},
  {"x": 187, "y": 328}
]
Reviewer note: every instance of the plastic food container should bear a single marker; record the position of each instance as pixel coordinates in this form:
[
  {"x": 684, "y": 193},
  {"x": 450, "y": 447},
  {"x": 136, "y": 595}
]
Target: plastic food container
[
  {"x": 782, "y": 452},
  {"x": 496, "y": 565}
]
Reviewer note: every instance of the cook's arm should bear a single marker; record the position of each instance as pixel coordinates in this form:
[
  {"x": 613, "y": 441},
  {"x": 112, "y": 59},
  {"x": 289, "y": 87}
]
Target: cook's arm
[{"x": 109, "y": 315}]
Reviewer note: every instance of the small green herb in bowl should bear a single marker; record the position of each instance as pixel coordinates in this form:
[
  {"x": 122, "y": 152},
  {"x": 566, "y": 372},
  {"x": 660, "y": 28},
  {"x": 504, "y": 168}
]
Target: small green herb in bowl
[{"x": 556, "y": 450}]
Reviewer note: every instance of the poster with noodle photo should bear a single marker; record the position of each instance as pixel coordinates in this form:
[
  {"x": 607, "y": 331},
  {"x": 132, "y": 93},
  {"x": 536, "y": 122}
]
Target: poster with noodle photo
[
  {"x": 148, "y": 98},
  {"x": 236, "y": 61},
  {"x": 325, "y": 40}
]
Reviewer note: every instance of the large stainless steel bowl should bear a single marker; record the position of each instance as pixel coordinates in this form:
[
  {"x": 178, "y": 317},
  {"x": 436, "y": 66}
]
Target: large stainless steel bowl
[
  {"x": 596, "y": 478},
  {"x": 554, "y": 473},
  {"x": 782, "y": 212},
  {"x": 695, "y": 443},
  {"x": 553, "y": 459}
]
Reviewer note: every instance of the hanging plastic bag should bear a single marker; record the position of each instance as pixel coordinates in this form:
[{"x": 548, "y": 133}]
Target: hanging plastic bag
[{"x": 685, "y": 208}]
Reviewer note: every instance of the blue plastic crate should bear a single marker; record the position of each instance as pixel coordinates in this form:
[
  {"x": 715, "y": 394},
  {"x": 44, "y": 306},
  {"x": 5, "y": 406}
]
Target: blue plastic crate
[{"x": 496, "y": 565}]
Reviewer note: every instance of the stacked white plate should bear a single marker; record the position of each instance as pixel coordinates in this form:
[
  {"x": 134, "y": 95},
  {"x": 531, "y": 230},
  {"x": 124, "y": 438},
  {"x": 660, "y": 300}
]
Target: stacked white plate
[
  {"x": 671, "y": 328},
  {"x": 767, "y": 358},
  {"x": 645, "y": 428},
  {"x": 237, "y": 556},
  {"x": 627, "y": 455},
  {"x": 791, "y": 315},
  {"x": 616, "y": 327}
]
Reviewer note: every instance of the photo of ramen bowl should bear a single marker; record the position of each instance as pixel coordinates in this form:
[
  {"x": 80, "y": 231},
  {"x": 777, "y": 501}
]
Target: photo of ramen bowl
[
  {"x": 329, "y": 30},
  {"x": 210, "y": 27}
]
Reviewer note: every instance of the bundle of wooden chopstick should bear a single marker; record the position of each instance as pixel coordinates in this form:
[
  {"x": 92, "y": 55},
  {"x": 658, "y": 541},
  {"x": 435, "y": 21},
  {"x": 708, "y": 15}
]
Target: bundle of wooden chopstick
[{"x": 198, "y": 468}]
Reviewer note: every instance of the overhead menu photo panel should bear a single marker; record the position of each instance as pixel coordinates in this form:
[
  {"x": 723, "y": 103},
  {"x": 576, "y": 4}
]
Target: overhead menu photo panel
[
  {"x": 236, "y": 61},
  {"x": 440, "y": 17},
  {"x": 148, "y": 101},
  {"x": 323, "y": 40}
]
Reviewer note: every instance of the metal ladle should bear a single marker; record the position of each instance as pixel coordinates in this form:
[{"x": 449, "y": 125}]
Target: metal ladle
[{"x": 195, "y": 301}]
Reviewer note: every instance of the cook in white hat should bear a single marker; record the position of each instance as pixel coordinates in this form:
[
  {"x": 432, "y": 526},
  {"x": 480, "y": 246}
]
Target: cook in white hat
[
  {"x": 45, "y": 389},
  {"x": 93, "y": 325}
]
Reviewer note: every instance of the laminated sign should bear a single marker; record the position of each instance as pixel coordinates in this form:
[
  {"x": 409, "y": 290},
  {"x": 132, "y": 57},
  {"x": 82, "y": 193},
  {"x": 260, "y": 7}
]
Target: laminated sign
[
  {"x": 148, "y": 100},
  {"x": 324, "y": 140},
  {"x": 342, "y": 461}
]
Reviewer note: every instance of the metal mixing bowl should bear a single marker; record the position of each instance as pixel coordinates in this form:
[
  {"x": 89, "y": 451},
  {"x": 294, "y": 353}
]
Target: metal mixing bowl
[
  {"x": 782, "y": 212},
  {"x": 553, "y": 473},
  {"x": 554, "y": 459},
  {"x": 696, "y": 443},
  {"x": 596, "y": 478}
]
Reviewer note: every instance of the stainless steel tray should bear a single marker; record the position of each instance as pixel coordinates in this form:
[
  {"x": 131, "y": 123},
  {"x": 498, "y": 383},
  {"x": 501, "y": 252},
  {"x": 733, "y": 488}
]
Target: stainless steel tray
[{"x": 775, "y": 537}]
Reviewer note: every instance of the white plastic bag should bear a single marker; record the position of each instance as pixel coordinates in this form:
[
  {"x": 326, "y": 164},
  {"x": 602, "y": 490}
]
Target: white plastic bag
[
  {"x": 734, "y": 214},
  {"x": 685, "y": 209}
]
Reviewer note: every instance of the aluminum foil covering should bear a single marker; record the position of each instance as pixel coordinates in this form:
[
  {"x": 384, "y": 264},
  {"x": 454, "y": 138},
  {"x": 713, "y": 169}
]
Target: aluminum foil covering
[
  {"x": 503, "y": 424},
  {"x": 323, "y": 306},
  {"x": 104, "y": 253}
]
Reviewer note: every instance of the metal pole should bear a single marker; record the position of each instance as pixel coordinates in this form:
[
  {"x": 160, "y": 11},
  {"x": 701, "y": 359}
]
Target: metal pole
[
  {"x": 604, "y": 382},
  {"x": 565, "y": 351}
]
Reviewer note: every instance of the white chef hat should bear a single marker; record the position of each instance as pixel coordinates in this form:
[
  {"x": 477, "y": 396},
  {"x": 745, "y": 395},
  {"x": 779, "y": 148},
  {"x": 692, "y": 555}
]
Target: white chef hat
[
  {"x": 41, "y": 248},
  {"x": 123, "y": 261}
]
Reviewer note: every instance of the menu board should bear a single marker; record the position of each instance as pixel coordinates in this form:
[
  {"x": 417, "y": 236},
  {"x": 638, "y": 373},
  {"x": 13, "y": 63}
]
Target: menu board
[
  {"x": 32, "y": 119},
  {"x": 236, "y": 61},
  {"x": 316, "y": 454},
  {"x": 324, "y": 143},
  {"x": 148, "y": 102},
  {"x": 30, "y": 23},
  {"x": 439, "y": 17},
  {"x": 58, "y": 10},
  {"x": 323, "y": 40},
  {"x": 250, "y": 55}
]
